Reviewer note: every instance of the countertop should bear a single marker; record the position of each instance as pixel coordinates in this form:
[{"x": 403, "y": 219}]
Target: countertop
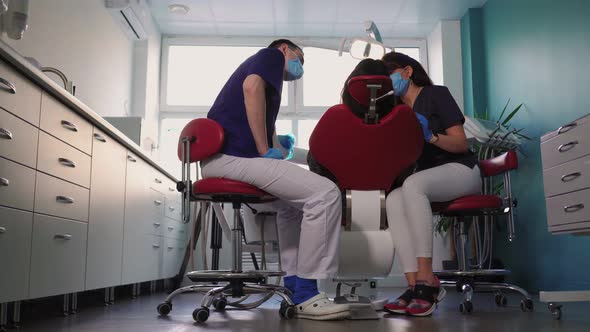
[{"x": 9, "y": 55}]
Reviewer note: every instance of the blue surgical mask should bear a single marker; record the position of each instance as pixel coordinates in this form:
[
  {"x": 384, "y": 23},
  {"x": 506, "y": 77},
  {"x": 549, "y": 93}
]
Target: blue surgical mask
[
  {"x": 294, "y": 70},
  {"x": 400, "y": 86}
]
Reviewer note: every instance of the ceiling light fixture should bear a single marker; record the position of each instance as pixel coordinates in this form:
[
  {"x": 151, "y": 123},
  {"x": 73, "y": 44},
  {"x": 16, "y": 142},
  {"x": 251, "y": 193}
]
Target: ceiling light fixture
[{"x": 178, "y": 9}]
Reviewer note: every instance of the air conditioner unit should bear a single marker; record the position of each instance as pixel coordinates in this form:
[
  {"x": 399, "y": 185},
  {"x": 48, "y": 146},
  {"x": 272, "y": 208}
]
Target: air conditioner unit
[{"x": 132, "y": 16}]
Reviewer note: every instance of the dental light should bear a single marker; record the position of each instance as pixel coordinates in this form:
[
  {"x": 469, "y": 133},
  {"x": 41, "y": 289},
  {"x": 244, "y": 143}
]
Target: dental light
[{"x": 360, "y": 48}]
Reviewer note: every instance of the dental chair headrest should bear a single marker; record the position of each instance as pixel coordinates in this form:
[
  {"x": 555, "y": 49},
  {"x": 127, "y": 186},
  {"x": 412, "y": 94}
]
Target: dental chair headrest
[
  {"x": 357, "y": 87},
  {"x": 366, "y": 156}
]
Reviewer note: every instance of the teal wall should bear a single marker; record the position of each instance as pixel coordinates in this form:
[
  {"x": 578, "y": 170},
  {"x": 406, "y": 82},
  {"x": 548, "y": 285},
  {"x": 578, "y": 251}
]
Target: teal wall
[{"x": 536, "y": 52}]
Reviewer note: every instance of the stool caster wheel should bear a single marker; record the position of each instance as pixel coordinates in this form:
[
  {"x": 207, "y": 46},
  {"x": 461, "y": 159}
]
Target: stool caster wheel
[
  {"x": 555, "y": 310},
  {"x": 200, "y": 315},
  {"x": 287, "y": 311},
  {"x": 501, "y": 300},
  {"x": 526, "y": 305},
  {"x": 164, "y": 308},
  {"x": 466, "y": 307},
  {"x": 219, "y": 304}
]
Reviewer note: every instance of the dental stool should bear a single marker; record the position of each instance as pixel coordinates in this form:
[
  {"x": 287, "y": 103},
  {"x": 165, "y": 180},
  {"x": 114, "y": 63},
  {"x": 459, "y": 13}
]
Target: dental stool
[
  {"x": 365, "y": 156},
  {"x": 199, "y": 140},
  {"x": 462, "y": 210}
]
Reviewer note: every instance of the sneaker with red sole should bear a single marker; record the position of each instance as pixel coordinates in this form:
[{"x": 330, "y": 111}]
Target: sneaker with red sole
[
  {"x": 398, "y": 306},
  {"x": 426, "y": 298}
]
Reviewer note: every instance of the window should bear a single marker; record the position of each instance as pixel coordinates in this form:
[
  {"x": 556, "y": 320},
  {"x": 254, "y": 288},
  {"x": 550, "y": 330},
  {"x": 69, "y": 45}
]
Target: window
[
  {"x": 325, "y": 74},
  {"x": 196, "y": 74}
]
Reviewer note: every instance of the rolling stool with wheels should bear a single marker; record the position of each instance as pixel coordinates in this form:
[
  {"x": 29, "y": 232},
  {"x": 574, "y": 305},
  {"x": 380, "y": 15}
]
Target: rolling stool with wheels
[{"x": 199, "y": 140}]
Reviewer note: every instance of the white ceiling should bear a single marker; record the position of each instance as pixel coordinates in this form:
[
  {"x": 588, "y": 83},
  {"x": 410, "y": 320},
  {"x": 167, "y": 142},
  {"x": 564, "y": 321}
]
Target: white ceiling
[{"x": 313, "y": 18}]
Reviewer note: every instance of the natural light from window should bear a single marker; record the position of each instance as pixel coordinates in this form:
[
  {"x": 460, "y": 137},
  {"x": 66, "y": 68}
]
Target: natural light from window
[{"x": 196, "y": 74}]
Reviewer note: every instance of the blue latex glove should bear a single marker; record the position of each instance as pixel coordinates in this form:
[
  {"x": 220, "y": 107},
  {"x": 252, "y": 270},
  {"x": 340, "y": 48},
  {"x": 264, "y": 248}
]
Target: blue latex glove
[
  {"x": 288, "y": 142},
  {"x": 273, "y": 153},
  {"x": 424, "y": 124}
]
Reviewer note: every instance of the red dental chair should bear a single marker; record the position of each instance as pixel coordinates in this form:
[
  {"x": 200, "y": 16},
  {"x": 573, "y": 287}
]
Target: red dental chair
[
  {"x": 366, "y": 156},
  {"x": 199, "y": 140}
]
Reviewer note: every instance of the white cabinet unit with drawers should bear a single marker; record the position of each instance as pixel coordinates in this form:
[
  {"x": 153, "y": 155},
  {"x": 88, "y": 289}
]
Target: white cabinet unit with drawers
[{"x": 81, "y": 206}]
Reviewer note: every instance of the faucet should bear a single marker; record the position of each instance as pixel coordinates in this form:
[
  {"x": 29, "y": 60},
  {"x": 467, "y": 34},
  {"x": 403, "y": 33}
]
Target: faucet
[{"x": 68, "y": 85}]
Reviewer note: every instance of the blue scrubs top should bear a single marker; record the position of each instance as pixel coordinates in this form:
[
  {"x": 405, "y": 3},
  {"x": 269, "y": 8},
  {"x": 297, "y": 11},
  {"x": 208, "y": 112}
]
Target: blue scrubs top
[{"x": 229, "y": 109}]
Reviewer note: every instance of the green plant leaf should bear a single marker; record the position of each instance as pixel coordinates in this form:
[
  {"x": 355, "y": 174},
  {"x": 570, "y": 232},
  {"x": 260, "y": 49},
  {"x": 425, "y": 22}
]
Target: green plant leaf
[
  {"x": 504, "y": 110},
  {"x": 513, "y": 113}
]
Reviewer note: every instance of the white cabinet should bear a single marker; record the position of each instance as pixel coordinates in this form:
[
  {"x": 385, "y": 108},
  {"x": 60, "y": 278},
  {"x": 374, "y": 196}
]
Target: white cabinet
[
  {"x": 18, "y": 140},
  {"x": 18, "y": 95},
  {"x": 107, "y": 209},
  {"x": 15, "y": 253},
  {"x": 58, "y": 256},
  {"x": 17, "y": 185}
]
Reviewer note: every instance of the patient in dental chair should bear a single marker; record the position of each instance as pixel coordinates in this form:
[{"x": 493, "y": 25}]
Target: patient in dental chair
[{"x": 384, "y": 107}]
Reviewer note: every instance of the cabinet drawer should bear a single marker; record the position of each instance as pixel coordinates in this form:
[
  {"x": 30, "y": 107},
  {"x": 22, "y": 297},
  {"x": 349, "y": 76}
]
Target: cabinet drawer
[
  {"x": 18, "y": 140},
  {"x": 18, "y": 95},
  {"x": 158, "y": 181},
  {"x": 142, "y": 258},
  {"x": 58, "y": 256},
  {"x": 17, "y": 185},
  {"x": 60, "y": 198},
  {"x": 16, "y": 228},
  {"x": 571, "y": 144},
  {"x": 173, "y": 208},
  {"x": 63, "y": 161},
  {"x": 569, "y": 208},
  {"x": 157, "y": 204},
  {"x": 66, "y": 125},
  {"x": 571, "y": 176}
]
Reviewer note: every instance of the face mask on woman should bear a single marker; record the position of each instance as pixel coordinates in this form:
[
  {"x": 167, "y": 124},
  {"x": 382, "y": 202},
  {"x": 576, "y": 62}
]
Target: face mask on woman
[{"x": 400, "y": 86}]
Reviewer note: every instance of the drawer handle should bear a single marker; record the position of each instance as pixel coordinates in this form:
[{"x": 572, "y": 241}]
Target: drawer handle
[
  {"x": 158, "y": 180},
  {"x": 157, "y": 224},
  {"x": 64, "y": 199},
  {"x": 567, "y": 146},
  {"x": 5, "y": 133},
  {"x": 170, "y": 248},
  {"x": 67, "y": 162},
  {"x": 2, "y": 230},
  {"x": 4, "y": 182},
  {"x": 131, "y": 159},
  {"x": 171, "y": 208},
  {"x": 66, "y": 237},
  {"x": 570, "y": 177},
  {"x": 181, "y": 231},
  {"x": 573, "y": 208},
  {"x": 158, "y": 202},
  {"x": 566, "y": 128},
  {"x": 99, "y": 138},
  {"x": 9, "y": 85},
  {"x": 171, "y": 189},
  {"x": 170, "y": 228},
  {"x": 155, "y": 246},
  {"x": 68, "y": 125}
]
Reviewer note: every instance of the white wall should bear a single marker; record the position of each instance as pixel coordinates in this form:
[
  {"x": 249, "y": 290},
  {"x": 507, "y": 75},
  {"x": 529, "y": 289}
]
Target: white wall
[
  {"x": 444, "y": 58},
  {"x": 82, "y": 39},
  {"x": 146, "y": 86}
]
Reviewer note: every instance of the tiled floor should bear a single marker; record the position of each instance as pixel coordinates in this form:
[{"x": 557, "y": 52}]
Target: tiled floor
[{"x": 140, "y": 315}]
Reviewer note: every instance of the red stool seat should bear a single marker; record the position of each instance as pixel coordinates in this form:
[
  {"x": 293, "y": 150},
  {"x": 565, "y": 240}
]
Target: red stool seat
[
  {"x": 472, "y": 205},
  {"x": 225, "y": 190}
]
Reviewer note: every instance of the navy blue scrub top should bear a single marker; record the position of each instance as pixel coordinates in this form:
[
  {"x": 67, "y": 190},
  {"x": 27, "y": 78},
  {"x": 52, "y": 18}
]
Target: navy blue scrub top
[
  {"x": 229, "y": 109},
  {"x": 438, "y": 106}
]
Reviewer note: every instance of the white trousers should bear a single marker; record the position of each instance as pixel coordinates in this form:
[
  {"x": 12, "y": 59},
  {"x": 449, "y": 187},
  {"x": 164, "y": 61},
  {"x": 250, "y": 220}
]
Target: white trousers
[
  {"x": 309, "y": 210},
  {"x": 408, "y": 208}
]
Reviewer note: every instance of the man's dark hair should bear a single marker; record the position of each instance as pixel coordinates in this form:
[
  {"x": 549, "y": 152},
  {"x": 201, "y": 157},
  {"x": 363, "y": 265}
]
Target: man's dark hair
[{"x": 279, "y": 42}]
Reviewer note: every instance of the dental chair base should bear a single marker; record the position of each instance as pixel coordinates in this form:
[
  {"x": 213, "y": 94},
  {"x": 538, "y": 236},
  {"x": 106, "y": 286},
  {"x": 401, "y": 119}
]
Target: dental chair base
[{"x": 361, "y": 307}]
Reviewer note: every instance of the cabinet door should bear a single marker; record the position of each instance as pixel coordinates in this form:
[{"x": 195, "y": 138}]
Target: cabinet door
[
  {"x": 107, "y": 208},
  {"x": 137, "y": 203},
  {"x": 18, "y": 140},
  {"x": 15, "y": 253},
  {"x": 18, "y": 95},
  {"x": 17, "y": 185},
  {"x": 58, "y": 256}
]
